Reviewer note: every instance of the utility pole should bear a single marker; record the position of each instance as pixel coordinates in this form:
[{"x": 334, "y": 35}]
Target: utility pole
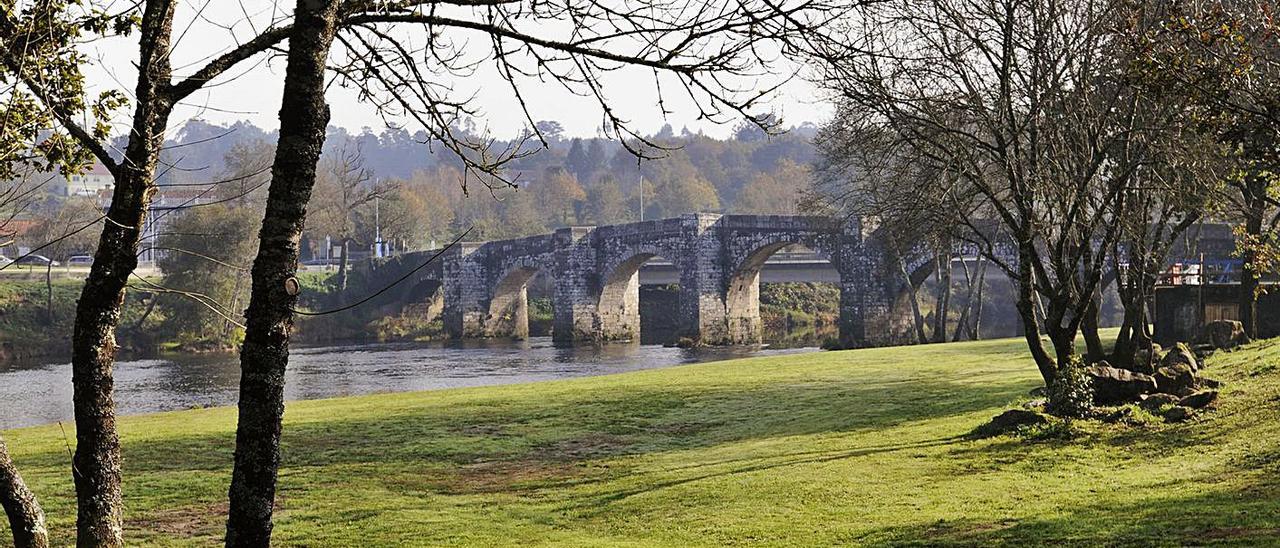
[{"x": 377, "y": 226}]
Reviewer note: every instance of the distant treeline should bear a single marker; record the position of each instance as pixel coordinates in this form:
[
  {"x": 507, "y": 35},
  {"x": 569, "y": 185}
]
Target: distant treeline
[{"x": 427, "y": 197}]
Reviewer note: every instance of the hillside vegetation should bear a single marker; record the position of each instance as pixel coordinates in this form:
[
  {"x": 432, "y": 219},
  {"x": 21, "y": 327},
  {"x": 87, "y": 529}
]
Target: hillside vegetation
[{"x": 855, "y": 447}]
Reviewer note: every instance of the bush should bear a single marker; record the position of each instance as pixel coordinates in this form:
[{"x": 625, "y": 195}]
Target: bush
[{"x": 1071, "y": 392}]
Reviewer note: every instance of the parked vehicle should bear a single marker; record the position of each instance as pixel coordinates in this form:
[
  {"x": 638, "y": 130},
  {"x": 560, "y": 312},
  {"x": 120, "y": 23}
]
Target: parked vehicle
[
  {"x": 36, "y": 260},
  {"x": 80, "y": 260}
]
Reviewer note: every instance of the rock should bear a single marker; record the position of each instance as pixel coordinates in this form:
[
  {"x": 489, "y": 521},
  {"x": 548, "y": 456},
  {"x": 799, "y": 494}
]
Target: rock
[
  {"x": 1112, "y": 385},
  {"x": 1210, "y": 383},
  {"x": 1123, "y": 414},
  {"x": 1225, "y": 334},
  {"x": 1200, "y": 400},
  {"x": 1009, "y": 421},
  {"x": 1180, "y": 354},
  {"x": 1175, "y": 379},
  {"x": 1178, "y": 414},
  {"x": 1036, "y": 404},
  {"x": 1143, "y": 361},
  {"x": 1155, "y": 401},
  {"x": 686, "y": 342}
]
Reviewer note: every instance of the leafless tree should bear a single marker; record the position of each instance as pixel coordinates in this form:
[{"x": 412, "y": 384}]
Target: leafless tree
[
  {"x": 870, "y": 172},
  {"x": 344, "y": 188},
  {"x": 1022, "y": 105}
]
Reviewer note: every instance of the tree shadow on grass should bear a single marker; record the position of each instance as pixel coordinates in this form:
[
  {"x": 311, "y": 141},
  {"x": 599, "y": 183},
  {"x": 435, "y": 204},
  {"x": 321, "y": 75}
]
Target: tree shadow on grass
[
  {"x": 599, "y": 502},
  {"x": 1243, "y": 516},
  {"x": 587, "y": 424}
]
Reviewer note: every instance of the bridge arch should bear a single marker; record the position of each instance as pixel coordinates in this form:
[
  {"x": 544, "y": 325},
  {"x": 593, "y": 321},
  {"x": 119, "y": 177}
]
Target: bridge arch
[
  {"x": 507, "y": 312},
  {"x": 742, "y": 288},
  {"x": 618, "y": 305},
  {"x": 424, "y": 299}
]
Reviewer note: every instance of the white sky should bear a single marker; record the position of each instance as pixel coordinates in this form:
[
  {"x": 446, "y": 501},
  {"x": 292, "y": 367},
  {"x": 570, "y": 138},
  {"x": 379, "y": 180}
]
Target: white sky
[{"x": 252, "y": 90}]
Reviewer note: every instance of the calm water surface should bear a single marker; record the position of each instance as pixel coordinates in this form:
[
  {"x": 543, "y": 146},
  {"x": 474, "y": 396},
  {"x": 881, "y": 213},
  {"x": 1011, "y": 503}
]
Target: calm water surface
[{"x": 37, "y": 393}]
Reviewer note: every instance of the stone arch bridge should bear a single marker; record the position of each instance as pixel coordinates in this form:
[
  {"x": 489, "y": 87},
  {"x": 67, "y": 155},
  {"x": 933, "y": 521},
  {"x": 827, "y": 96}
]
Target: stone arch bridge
[{"x": 480, "y": 289}]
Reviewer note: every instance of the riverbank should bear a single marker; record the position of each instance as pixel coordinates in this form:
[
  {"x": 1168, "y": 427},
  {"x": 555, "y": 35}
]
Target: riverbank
[
  {"x": 36, "y": 319},
  {"x": 853, "y": 447}
]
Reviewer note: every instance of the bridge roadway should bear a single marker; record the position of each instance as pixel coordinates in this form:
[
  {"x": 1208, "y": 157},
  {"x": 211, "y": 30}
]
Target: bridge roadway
[{"x": 781, "y": 268}]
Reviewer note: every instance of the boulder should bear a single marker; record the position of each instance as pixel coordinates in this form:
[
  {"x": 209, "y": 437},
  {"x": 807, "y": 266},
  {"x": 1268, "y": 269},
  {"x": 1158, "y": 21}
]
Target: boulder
[
  {"x": 1200, "y": 400},
  {"x": 1225, "y": 334},
  {"x": 1178, "y": 414},
  {"x": 1156, "y": 401},
  {"x": 1177, "y": 379},
  {"x": 1113, "y": 385},
  {"x": 1010, "y": 421},
  {"x": 1180, "y": 354},
  {"x": 1146, "y": 362}
]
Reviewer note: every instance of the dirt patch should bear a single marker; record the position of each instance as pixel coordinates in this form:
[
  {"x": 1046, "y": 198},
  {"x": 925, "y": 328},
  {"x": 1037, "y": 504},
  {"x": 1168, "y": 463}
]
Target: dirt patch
[
  {"x": 185, "y": 522},
  {"x": 684, "y": 428},
  {"x": 508, "y": 476},
  {"x": 1228, "y": 533},
  {"x": 581, "y": 448}
]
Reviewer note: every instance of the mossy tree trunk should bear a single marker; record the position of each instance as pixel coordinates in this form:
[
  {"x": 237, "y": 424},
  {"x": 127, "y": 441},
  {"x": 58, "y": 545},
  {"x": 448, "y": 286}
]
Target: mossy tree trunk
[
  {"x": 269, "y": 318},
  {"x": 26, "y": 518},
  {"x": 96, "y": 464}
]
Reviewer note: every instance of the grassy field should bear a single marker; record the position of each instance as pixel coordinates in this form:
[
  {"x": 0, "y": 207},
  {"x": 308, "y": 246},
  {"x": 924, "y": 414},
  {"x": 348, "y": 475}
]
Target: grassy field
[{"x": 856, "y": 447}]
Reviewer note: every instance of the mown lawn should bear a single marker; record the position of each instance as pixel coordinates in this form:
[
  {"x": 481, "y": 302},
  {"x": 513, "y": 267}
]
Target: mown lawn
[{"x": 857, "y": 447}]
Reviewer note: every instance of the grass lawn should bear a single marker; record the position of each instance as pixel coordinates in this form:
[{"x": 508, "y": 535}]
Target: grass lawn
[{"x": 856, "y": 447}]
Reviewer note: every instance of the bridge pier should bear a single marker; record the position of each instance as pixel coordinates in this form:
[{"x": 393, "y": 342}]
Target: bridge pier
[
  {"x": 465, "y": 295},
  {"x": 575, "y": 286},
  {"x": 702, "y": 282}
]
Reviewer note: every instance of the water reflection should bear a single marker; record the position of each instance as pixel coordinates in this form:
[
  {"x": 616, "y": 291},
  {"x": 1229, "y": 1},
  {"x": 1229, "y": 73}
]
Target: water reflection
[{"x": 35, "y": 393}]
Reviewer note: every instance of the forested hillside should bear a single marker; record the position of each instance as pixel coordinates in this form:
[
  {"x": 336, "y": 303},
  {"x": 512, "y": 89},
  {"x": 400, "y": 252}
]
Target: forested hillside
[{"x": 422, "y": 196}]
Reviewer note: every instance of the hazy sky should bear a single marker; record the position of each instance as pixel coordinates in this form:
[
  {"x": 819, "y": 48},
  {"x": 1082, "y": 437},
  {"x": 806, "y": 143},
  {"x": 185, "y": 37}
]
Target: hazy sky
[{"x": 252, "y": 91}]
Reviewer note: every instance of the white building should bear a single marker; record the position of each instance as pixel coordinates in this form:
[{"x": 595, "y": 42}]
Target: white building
[{"x": 93, "y": 181}]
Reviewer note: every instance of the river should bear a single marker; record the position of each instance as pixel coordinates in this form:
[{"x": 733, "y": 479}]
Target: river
[{"x": 40, "y": 393}]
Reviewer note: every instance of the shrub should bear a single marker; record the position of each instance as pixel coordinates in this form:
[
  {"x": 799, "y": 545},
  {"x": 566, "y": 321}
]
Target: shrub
[{"x": 1071, "y": 392}]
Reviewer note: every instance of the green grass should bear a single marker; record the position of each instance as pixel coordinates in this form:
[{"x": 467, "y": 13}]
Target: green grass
[{"x": 857, "y": 447}]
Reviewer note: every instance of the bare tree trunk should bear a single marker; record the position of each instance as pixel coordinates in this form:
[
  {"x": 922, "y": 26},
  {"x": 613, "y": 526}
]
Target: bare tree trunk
[
  {"x": 227, "y": 326},
  {"x": 343, "y": 263},
  {"x": 1250, "y": 278},
  {"x": 1089, "y": 327},
  {"x": 26, "y": 519},
  {"x": 975, "y": 328},
  {"x": 269, "y": 318},
  {"x": 1029, "y": 311},
  {"x": 963, "y": 320},
  {"x": 48, "y": 291},
  {"x": 917, "y": 318},
  {"x": 96, "y": 465},
  {"x": 943, "y": 296}
]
